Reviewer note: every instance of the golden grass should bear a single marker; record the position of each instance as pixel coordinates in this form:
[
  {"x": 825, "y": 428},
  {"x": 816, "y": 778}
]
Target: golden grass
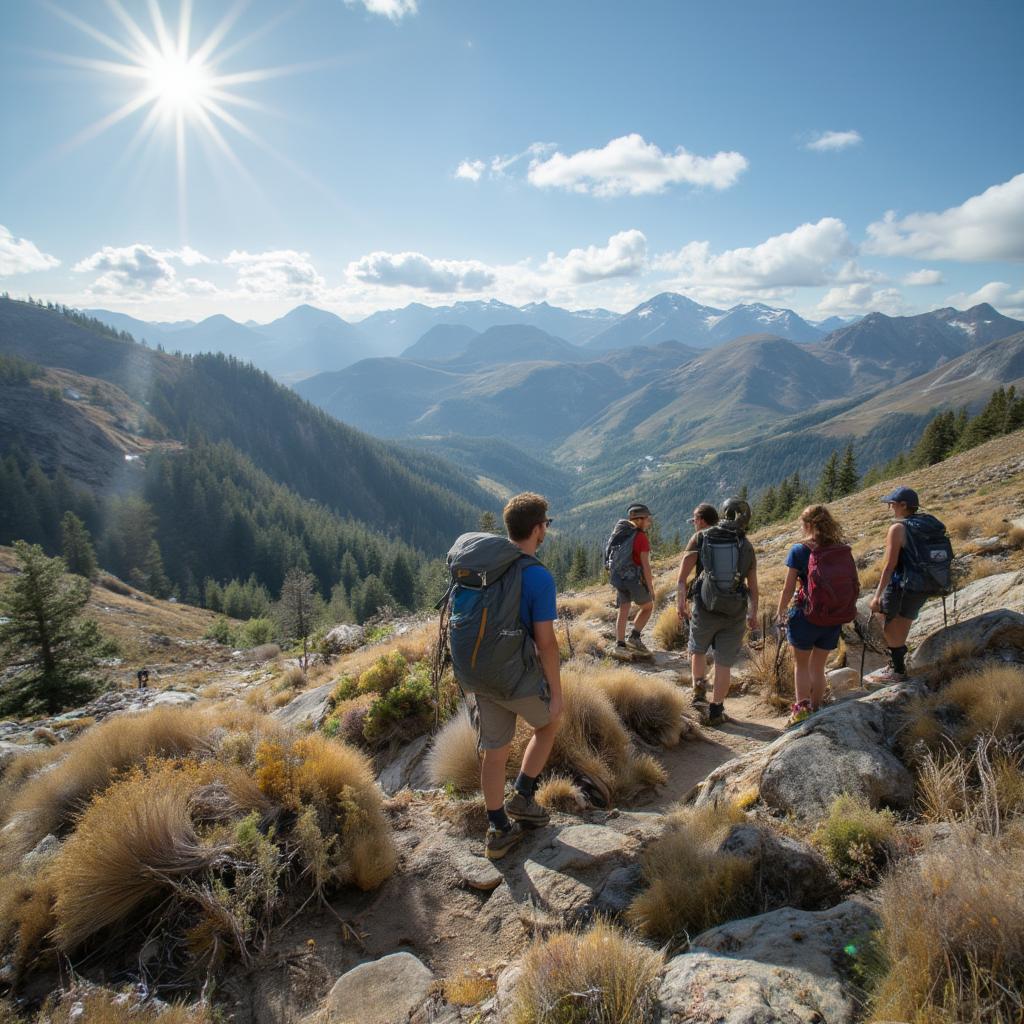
[
  {"x": 981, "y": 568},
  {"x": 669, "y": 630},
  {"x": 870, "y": 575},
  {"x": 953, "y": 935},
  {"x": 1015, "y": 537},
  {"x": 856, "y": 839},
  {"x": 453, "y": 759},
  {"x": 648, "y": 771},
  {"x": 102, "y": 1006},
  {"x": 662, "y": 591},
  {"x": 770, "y": 673},
  {"x": 578, "y": 640},
  {"x": 651, "y": 706},
  {"x": 691, "y": 885},
  {"x": 598, "y": 977},
  {"x": 26, "y": 916},
  {"x": 560, "y": 793},
  {"x": 468, "y": 988},
  {"x": 959, "y": 527}
]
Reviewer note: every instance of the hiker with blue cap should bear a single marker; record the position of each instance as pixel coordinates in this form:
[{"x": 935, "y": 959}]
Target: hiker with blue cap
[{"x": 918, "y": 565}]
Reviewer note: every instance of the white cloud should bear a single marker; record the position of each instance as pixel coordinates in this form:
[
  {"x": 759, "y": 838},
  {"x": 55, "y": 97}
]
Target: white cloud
[
  {"x": 989, "y": 226},
  {"x": 470, "y": 170},
  {"x": 625, "y": 255},
  {"x": 803, "y": 257},
  {"x": 20, "y": 256},
  {"x": 1007, "y": 298},
  {"x": 140, "y": 271},
  {"x": 920, "y": 278},
  {"x": 282, "y": 273},
  {"x": 414, "y": 270},
  {"x": 853, "y": 299},
  {"x": 395, "y": 10},
  {"x": 631, "y": 166},
  {"x": 829, "y": 142}
]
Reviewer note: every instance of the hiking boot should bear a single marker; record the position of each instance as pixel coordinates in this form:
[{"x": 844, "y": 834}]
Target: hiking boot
[
  {"x": 500, "y": 840},
  {"x": 700, "y": 692},
  {"x": 800, "y": 713},
  {"x": 526, "y": 810},
  {"x": 883, "y": 677},
  {"x": 635, "y": 641},
  {"x": 716, "y": 714}
]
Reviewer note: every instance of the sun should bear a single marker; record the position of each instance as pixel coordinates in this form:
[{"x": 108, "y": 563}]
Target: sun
[{"x": 177, "y": 83}]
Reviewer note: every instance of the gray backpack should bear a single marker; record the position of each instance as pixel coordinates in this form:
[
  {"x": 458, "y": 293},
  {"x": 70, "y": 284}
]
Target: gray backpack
[
  {"x": 618, "y": 554},
  {"x": 721, "y": 582},
  {"x": 492, "y": 652}
]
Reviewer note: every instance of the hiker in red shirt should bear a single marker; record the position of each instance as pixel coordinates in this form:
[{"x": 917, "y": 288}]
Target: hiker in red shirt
[{"x": 628, "y": 560}]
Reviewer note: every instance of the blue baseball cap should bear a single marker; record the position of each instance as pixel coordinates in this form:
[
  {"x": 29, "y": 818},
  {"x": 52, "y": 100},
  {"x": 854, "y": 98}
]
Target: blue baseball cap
[{"x": 905, "y": 494}]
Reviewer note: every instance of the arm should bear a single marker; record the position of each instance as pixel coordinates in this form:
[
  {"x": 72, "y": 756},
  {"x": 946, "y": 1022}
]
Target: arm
[
  {"x": 685, "y": 568},
  {"x": 645, "y": 569},
  {"x": 893, "y": 546},
  {"x": 754, "y": 593},
  {"x": 788, "y": 589},
  {"x": 550, "y": 662}
]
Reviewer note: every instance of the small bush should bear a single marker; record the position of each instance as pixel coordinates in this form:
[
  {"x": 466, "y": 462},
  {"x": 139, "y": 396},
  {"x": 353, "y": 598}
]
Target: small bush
[
  {"x": 220, "y": 631},
  {"x": 856, "y": 839},
  {"x": 670, "y": 630},
  {"x": 265, "y": 652},
  {"x": 402, "y": 712},
  {"x": 691, "y": 885},
  {"x": 344, "y": 689},
  {"x": 255, "y": 633},
  {"x": 651, "y": 706},
  {"x": 387, "y": 671},
  {"x": 598, "y": 977},
  {"x": 953, "y": 935}
]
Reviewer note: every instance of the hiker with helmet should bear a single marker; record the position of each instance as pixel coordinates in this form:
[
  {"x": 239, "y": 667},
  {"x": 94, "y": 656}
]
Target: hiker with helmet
[
  {"x": 724, "y": 596},
  {"x": 823, "y": 576},
  {"x": 505, "y": 656},
  {"x": 918, "y": 565},
  {"x": 627, "y": 556}
]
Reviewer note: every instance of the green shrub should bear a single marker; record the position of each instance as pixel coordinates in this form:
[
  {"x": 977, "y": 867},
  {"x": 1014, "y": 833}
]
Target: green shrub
[
  {"x": 386, "y": 672},
  {"x": 221, "y": 631},
  {"x": 255, "y": 633},
  {"x": 345, "y": 689},
  {"x": 856, "y": 839},
  {"x": 404, "y": 711}
]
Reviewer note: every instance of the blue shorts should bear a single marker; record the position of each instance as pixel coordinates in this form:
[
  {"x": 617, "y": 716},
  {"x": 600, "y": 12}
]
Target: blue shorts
[{"x": 804, "y": 635}]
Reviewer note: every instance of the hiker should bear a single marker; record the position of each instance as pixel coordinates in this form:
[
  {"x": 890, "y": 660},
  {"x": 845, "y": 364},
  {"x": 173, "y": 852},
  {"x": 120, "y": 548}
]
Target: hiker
[
  {"x": 918, "y": 565},
  {"x": 627, "y": 556},
  {"x": 823, "y": 567},
  {"x": 142, "y": 678},
  {"x": 506, "y": 659},
  {"x": 724, "y": 596}
]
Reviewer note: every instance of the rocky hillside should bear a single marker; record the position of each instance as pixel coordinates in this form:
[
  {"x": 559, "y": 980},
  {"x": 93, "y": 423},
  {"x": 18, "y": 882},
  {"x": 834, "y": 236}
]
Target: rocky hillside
[{"x": 749, "y": 873}]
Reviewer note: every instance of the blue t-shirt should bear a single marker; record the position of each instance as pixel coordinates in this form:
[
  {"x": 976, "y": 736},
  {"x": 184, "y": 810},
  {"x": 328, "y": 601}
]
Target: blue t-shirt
[
  {"x": 799, "y": 558},
  {"x": 538, "y": 601}
]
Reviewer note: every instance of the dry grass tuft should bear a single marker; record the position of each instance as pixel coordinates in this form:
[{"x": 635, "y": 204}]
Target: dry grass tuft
[
  {"x": 669, "y": 630},
  {"x": 574, "y": 607},
  {"x": 468, "y": 988},
  {"x": 651, "y": 706},
  {"x": 100, "y": 1006},
  {"x": 599, "y": 977},
  {"x": 560, "y": 793},
  {"x": 959, "y": 527},
  {"x": 453, "y": 759},
  {"x": 577, "y": 640},
  {"x": 770, "y": 673},
  {"x": 691, "y": 885},
  {"x": 1015, "y": 537},
  {"x": 648, "y": 771},
  {"x": 26, "y": 917},
  {"x": 953, "y": 935},
  {"x": 856, "y": 839}
]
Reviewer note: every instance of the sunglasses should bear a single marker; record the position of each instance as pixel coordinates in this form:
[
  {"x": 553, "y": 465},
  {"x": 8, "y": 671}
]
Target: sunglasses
[{"x": 545, "y": 522}]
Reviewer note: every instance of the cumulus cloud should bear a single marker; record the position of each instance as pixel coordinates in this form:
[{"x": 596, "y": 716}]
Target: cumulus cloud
[
  {"x": 281, "y": 273},
  {"x": 853, "y": 299},
  {"x": 989, "y": 226},
  {"x": 920, "y": 278},
  {"x": 414, "y": 270},
  {"x": 395, "y": 10},
  {"x": 1007, "y": 298},
  {"x": 829, "y": 142},
  {"x": 20, "y": 256},
  {"x": 624, "y": 256},
  {"x": 631, "y": 166},
  {"x": 131, "y": 271},
  {"x": 804, "y": 257},
  {"x": 470, "y": 170}
]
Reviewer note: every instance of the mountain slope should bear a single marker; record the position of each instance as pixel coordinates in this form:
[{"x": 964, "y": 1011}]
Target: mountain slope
[
  {"x": 307, "y": 341},
  {"x": 445, "y": 341},
  {"x": 515, "y": 343},
  {"x": 666, "y": 317}
]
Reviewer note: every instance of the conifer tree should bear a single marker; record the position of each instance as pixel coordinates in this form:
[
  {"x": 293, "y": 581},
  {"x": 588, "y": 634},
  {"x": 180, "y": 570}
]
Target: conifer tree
[
  {"x": 299, "y": 609},
  {"x": 52, "y": 655},
  {"x": 579, "y": 570},
  {"x": 846, "y": 483},
  {"x": 370, "y": 597},
  {"x": 488, "y": 522},
  {"x": 76, "y": 546},
  {"x": 156, "y": 581},
  {"x": 829, "y": 484}
]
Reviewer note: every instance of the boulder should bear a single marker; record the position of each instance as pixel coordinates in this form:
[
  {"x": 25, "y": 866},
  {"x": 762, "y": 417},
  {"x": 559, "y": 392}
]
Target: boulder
[
  {"x": 1002, "y": 590},
  {"x": 343, "y": 638},
  {"x": 171, "y": 699},
  {"x": 9, "y": 751},
  {"x": 844, "y": 680},
  {"x": 307, "y": 709},
  {"x": 996, "y": 634},
  {"x": 779, "y": 966},
  {"x": 407, "y": 768},
  {"x": 477, "y": 872},
  {"x": 383, "y": 991}
]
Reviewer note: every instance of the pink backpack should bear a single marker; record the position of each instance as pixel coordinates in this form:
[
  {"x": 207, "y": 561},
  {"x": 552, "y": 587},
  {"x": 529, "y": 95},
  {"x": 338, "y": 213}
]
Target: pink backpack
[{"x": 832, "y": 586}]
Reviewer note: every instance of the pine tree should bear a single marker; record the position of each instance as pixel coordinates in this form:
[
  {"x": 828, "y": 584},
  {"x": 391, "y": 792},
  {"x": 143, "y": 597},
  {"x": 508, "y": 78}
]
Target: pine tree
[
  {"x": 828, "y": 486},
  {"x": 299, "y": 609},
  {"x": 52, "y": 655},
  {"x": 76, "y": 545},
  {"x": 488, "y": 522},
  {"x": 580, "y": 570},
  {"x": 846, "y": 483},
  {"x": 370, "y": 597},
  {"x": 400, "y": 581}
]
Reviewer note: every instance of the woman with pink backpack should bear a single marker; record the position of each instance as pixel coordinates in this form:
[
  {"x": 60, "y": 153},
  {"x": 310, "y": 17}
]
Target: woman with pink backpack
[{"x": 823, "y": 576}]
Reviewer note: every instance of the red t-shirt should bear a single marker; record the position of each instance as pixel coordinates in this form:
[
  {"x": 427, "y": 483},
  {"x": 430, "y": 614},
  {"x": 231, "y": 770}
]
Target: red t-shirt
[{"x": 641, "y": 543}]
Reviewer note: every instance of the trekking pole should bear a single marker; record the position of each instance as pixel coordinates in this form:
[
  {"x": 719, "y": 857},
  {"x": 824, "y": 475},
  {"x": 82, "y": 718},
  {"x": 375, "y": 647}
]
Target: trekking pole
[
  {"x": 439, "y": 661},
  {"x": 863, "y": 644},
  {"x": 568, "y": 638}
]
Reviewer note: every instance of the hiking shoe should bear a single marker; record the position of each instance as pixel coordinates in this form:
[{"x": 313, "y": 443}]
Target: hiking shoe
[
  {"x": 700, "y": 692},
  {"x": 500, "y": 840},
  {"x": 526, "y": 810},
  {"x": 800, "y": 713},
  {"x": 883, "y": 677},
  {"x": 716, "y": 714},
  {"x": 636, "y": 642}
]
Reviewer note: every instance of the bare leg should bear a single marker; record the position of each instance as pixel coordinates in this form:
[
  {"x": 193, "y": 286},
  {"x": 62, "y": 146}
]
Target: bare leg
[
  {"x": 643, "y": 616},
  {"x": 802, "y": 684},
  {"x": 538, "y": 750},
  {"x": 698, "y": 665},
  {"x": 817, "y": 675},
  {"x": 620, "y": 622},
  {"x": 492, "y": 776},
  {"x": 723, "y": 676},
  {"x": 896, "y": 631}
]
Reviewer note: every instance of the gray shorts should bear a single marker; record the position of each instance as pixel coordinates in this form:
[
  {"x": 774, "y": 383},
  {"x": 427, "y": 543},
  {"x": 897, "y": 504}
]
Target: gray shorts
[
  {"x": 495, "y": 720},
  {"x": 723, "y": 633},
  {"x": 632, "y": 592},
  {"x": 897, "y": 603}
]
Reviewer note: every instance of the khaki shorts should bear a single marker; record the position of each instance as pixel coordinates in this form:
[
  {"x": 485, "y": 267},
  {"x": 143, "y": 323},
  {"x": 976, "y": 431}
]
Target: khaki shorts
[
  {"x": 632, "y": 592},
  {"x": 720, "y": 632},
  {"x": 495, "y": 720}
]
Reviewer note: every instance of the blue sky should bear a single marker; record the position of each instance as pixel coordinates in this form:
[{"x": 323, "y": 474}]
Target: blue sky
[{"x": 829, "y": 157}]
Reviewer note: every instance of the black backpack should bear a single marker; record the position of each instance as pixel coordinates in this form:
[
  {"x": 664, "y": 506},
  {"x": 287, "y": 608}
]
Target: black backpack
[
  {"x": 618, "y": 554},
  {"x": 721, "y": 582},
  {"x": 926, "y": 566}
]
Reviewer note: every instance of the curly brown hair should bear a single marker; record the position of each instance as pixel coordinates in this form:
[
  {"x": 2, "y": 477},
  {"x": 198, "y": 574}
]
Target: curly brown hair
[
  {"x": 823, "y": 527},
  {"x": 522, "y": 513}
]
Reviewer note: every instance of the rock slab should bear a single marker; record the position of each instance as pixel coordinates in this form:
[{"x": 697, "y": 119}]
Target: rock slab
[{"x": 383, "y": 991}]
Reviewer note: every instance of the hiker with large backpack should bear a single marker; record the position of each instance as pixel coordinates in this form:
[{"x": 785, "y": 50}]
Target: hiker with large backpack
[
  {"x": 918, "y": 565},
  {"x": 627, "y": 557},
  {"x": 724, "y": 596},
  {"x": 823, "y": 577},
  {"x": 501, "y": 632}
]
